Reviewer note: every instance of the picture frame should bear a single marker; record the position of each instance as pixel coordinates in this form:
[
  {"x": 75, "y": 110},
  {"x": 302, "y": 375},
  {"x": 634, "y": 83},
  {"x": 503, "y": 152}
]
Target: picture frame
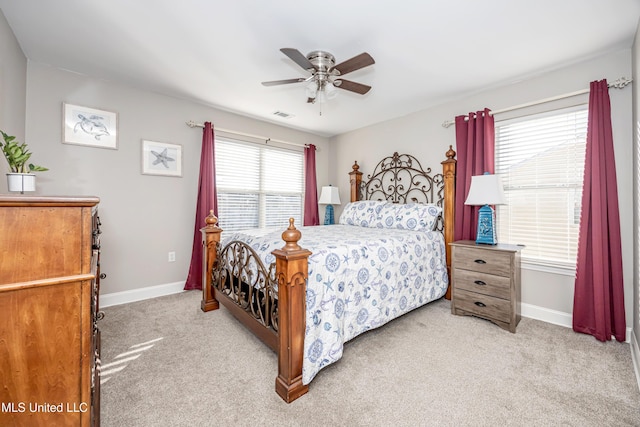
[
  {"x": 161, "y": 158},
  {"x": 89, "y": 126}
]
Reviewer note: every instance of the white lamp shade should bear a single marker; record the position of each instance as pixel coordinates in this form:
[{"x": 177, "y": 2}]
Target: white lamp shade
[
  {"x": 486, "y": 190},
  {"x": 329, "y": 196},
  {"x": 331, "y": 91},
  {"x": 312, "y": 90}
]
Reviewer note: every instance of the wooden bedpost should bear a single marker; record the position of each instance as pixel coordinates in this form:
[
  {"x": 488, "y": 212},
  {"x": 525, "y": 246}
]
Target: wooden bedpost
[
  {"x": 449, "y": 173},
  {"x": 291, "y": 272},
  {"x": 355, "y": 178},
  {"x": 210, "y": 239}
]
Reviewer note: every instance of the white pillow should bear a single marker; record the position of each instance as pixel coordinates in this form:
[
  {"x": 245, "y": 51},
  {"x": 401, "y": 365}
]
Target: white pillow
[
  {"x": 410, "y": 216},
  {"x": 362, "y": 213}
]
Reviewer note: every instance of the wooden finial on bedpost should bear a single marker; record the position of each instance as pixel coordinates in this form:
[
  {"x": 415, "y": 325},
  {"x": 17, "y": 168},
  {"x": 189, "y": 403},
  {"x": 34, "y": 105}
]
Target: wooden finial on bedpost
[
  {"x": 211, "y": 220},
  {"x": 210, "y": 240},
  {"x": 449, "y": 173},
  {"x": 451, "y": 153},
  {"x": 291, "y": 271},
  {"x": 355, "y": 180},
  {"x": 291, "y": 236}
]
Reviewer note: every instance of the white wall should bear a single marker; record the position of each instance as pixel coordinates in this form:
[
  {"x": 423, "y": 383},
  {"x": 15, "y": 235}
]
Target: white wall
[
  {"x": 636, "y": 191},
  {"x": 422, "y": 135},
  {"x": 13, "y": 83},
  {"x": 143, "y": 217}
]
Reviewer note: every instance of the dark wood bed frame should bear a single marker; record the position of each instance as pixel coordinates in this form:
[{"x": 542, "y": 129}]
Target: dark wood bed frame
[{"x": 279, "y": 321}]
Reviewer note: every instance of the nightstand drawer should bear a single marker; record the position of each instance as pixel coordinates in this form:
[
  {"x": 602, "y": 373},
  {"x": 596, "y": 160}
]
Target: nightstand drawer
[
  {"x": 487, "y": 284},
  {"x": 482, "y": 260},
  {"x": 483, "y": 305}
]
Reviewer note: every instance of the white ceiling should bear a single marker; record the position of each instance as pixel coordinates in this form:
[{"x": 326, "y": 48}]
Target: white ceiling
[{"x": 218, "y": 52}]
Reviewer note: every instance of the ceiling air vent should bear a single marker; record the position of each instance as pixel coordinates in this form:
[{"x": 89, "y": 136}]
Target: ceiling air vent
[{"x": 283, "y": 115}]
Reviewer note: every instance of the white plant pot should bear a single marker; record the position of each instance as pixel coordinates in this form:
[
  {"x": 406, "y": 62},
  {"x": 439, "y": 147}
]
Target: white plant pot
[{"x": 21, "y": 182}]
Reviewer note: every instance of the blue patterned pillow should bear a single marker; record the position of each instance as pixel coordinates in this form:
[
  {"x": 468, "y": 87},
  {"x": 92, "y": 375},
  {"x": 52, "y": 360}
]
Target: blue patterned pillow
[
  {"x": 362, "y": 213},
  {"x": 411, "y": 216}
]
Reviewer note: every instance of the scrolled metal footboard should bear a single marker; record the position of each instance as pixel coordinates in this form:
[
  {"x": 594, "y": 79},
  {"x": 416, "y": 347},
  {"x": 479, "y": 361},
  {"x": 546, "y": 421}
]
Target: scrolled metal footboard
[{"x": 241, "y": 276}]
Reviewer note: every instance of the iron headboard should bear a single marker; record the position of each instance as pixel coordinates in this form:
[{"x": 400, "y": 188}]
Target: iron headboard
[{"x": 400, "y": 178}]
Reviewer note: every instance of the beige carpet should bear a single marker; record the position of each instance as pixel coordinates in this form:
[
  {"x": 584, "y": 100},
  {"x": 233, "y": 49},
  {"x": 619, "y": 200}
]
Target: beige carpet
[{"x": 166, "y": 363}]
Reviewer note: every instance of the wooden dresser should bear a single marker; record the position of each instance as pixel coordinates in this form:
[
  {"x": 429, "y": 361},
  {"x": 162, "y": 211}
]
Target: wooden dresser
[
  {"x": 49, "y": 340},
  {"x": 485, "y": 282}
]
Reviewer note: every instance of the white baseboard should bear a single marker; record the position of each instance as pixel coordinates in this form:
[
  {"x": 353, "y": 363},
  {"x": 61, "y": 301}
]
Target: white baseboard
[
  {"x": 117, "y": 298},
  {"x": 546, "y": 315},
  {"x": 635, "y": 357},
  {"x": 556, "y": 317}
]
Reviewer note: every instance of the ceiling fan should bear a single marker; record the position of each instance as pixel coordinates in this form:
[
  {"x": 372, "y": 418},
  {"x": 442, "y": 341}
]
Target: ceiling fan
[{"x": 325, "y": 74}]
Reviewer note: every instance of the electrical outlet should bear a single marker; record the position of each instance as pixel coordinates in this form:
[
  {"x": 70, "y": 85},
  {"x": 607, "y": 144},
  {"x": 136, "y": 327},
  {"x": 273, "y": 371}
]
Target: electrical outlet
[{"x": 172, "y": 256}]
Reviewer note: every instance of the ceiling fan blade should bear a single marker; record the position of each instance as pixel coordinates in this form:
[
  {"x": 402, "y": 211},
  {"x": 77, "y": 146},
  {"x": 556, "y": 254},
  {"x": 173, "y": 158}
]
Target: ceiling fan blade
[
  {"x": 353, "y": 64},
  {"x": 283, "y": 82},
  {"x": 298, "y": 58},
  {"x": 352, "y": 86}
]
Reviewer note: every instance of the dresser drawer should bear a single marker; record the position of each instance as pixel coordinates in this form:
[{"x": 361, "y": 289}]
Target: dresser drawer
[
  {"x": 482, "y": 260},
  {"x": 483, "y": 283},
  {"x": 483, "y": 305}
]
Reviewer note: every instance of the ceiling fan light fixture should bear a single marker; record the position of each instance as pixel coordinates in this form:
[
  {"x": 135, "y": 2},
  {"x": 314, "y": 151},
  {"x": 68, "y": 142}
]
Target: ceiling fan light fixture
[
  {"x": 330, "y": 90},
  {"x": 311, "y": 89},
  {"x": 323, "y": 69}
]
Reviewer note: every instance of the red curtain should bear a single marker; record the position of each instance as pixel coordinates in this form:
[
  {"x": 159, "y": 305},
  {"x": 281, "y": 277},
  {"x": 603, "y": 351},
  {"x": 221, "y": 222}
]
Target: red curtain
[
  {"x": 475, "y": 146},
  {"x": 311, "y": 216},
  {"x": 598, "y": 303},
  {"x": 207, "y": 200}
]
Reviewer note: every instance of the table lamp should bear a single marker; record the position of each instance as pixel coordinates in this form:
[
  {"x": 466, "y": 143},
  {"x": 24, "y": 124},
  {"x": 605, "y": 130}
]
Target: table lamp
[
  {"x": 486, "y": 190},
  {"x": 329, "y": 196}
]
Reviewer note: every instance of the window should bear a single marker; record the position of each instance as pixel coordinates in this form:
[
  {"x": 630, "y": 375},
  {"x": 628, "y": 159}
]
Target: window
[
  {"x": 541, "y": 161},
  {"x": 258, "y": 186}
]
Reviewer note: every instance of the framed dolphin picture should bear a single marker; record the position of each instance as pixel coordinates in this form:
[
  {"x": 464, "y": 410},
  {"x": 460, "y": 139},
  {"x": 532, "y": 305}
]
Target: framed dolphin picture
[
  {"x": 161, "y": 158},
  {"x": 89, "y": 126}
]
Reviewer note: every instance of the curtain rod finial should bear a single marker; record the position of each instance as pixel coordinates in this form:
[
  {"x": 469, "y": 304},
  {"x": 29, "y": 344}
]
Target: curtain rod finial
[
  {"x": 193, "y": 124},
  {"x": 620, "y": 83}
]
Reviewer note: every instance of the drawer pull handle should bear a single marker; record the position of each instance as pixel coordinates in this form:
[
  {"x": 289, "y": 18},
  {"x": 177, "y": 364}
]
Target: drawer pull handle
[
  {"x": 480, "y": 282},
  {"x": 480, "y": 304},
  {"x": 480, "y": 261}
]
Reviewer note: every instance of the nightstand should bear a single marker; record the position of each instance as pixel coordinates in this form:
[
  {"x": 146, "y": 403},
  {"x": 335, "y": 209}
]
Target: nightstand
[{"x": 485, "y": 282}]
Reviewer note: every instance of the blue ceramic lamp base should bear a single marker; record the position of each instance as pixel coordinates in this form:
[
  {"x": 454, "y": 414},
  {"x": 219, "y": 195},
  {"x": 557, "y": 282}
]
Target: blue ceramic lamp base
[
  {"x": 486, "y": 230},
  {"x": 328, "y": 215}
]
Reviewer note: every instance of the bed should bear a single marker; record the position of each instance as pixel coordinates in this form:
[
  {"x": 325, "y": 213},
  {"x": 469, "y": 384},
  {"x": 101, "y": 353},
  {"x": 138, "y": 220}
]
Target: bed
[{"x": 388, "y": 255}]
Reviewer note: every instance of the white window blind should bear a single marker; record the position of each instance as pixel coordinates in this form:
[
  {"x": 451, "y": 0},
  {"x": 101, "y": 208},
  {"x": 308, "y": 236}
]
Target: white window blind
[
  {"x": 258, "y": 186},
  {"x": 541, "y": 161}
]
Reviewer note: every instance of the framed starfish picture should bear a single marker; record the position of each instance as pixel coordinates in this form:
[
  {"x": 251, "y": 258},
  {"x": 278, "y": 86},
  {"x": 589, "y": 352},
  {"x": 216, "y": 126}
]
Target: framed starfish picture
[
  {"x": 88, "y": 126},
  {"x": 161, "y": 158}
]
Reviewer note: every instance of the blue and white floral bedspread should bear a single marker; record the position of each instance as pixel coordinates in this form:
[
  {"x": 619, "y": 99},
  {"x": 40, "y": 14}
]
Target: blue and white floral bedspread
[{"x": 359, "y": 279}]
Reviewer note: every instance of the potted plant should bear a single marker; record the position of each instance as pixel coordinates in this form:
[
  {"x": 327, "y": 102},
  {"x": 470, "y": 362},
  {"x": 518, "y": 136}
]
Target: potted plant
[{"x": 20, "y": 178}]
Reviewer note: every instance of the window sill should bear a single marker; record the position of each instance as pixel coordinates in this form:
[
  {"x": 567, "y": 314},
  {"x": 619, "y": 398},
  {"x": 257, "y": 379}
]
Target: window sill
[{"x": 564, "y": 270}]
